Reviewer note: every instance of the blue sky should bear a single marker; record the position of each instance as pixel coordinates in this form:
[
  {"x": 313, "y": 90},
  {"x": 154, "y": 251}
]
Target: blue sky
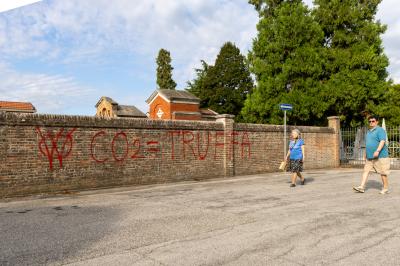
[{"x": 64, "y": 55}]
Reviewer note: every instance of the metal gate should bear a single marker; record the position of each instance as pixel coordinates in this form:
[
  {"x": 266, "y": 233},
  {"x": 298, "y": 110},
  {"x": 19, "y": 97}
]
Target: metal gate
[{"x": 352, "y": 146}]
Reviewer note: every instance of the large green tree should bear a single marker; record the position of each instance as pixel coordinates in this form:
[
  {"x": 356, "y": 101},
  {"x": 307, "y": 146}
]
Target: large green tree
[
  {"x": 390, "y": 109},
  {"x": 355, "y": 66},
  {"x": 224, "y": 86},
  {"x": 287, "y": 61},
  {"x": 164, "y": 71}
]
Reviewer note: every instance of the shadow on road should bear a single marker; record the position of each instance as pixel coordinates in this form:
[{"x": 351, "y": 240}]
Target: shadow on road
[
  {"x": 46, "y": 235},
  {"x": 308, "y": 180},
  {"x": 374, "y": 185}
]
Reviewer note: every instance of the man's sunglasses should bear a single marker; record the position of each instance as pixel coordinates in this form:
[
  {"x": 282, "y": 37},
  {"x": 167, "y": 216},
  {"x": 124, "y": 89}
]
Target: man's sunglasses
[{"x": 372, "y": 121}]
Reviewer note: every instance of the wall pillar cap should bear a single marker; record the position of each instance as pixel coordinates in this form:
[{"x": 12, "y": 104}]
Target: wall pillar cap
[
  {"x": 226, "y": 116},
  {"x": 333, "y": 117}
]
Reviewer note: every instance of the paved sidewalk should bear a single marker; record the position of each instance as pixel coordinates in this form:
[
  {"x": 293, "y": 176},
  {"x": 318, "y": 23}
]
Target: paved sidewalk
[{"x": 252, "y": 220}]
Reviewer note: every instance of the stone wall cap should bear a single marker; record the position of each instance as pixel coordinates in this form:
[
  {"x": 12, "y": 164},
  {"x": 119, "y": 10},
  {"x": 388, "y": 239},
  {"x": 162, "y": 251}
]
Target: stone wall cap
[
  {"x": 228, "y": 116},
  {"x": 49, "y": 120}
]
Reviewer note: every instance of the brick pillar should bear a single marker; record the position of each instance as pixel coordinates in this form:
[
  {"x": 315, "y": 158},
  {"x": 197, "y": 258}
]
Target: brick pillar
[
  {"x": 229, "y": 157},
  {"x": 3, "y": 139},
  {"x": 334, "y": 122}
]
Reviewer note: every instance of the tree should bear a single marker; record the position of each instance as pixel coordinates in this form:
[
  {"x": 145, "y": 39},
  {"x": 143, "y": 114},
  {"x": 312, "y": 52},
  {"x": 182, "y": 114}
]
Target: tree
[
  {"x": 355, "y": 66},
  {"x": 286, "y": 59},
  {"x": 390, "y": 110},
  {"x": 198, "y": 85},
  {"x": 224, "y": 86},
  {"x": 164, "y": 71}
]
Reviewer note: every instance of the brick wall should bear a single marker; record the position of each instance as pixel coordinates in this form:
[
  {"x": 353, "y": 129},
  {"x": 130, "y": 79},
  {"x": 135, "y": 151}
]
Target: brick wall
[
  {"x": 49, "y": 153},
  {"x": 185, "y": 107}
]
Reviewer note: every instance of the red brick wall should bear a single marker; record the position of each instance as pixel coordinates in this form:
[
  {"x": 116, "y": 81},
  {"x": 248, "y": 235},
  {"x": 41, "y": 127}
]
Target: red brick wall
[
  {"x": 186, "y": 117},
  {"x": 268, "y": 152},
  {"x": 188, "y": 108},
  {"x": 48, "y": 153},
  {"x": 185, "y": 107}
]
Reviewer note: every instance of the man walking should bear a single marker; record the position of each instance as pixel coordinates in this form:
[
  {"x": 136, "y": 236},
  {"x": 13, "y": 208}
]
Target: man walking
[{"x": 377, "y": 155}]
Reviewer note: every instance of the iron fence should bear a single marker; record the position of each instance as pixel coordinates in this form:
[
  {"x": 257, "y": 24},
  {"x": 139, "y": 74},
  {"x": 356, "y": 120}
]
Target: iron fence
[{"x": 352, "y": 148}]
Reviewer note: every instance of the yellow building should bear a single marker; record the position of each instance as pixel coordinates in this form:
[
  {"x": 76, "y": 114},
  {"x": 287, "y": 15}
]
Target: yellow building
[{"x": 107, "y": 107}]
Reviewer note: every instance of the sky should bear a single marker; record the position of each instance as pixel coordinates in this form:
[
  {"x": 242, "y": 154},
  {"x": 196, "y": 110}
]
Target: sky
[{"x": 62, "y": 56}]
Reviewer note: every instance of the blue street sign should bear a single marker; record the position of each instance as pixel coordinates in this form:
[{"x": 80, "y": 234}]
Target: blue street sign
[{"x": 286, "y": 107}]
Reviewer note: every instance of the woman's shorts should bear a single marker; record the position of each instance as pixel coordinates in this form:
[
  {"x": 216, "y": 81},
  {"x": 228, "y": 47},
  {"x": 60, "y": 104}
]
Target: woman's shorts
[{"x": 295, "y": 166}]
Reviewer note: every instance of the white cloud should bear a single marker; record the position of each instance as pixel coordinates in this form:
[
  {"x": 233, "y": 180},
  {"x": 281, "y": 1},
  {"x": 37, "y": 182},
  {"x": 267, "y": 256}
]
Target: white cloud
[
  {"x": 11, "y": 4},
  {"x": 82, "y": 30},
  {"x": 90, "y": 31},
  {"x": 388, "y": 14},
  {"x": 49, "y": 93}
]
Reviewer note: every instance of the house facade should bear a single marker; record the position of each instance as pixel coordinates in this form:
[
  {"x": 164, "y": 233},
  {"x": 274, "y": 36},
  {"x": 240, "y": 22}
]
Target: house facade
[{"x": 177, "y": 105}]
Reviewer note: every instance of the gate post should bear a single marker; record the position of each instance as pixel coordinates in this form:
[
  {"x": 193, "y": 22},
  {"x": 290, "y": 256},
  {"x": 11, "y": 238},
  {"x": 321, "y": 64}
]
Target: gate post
[
  {"x": 334, "y": 122},
  {"x": 228, "y": 155}
]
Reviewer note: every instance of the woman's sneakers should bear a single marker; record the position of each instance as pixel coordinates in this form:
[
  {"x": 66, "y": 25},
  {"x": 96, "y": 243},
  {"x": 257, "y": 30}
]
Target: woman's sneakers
[
  {"x": 384, "y": 191},
  {"x": 359, "y": 189},
  {"x": 302, "y": 183}
]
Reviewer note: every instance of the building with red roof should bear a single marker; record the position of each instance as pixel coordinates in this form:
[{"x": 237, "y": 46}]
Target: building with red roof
[{"x": 17, "y": 107}]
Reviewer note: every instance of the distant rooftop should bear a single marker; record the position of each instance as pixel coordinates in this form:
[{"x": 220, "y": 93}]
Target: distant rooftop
[
  {"x": 174, "y": 95},
  {"x": 24, "y": 107},
  {"x": 108, "y": 99},
  {"x": 123, "y": 110},
  {"x": 129, "y": 111}
]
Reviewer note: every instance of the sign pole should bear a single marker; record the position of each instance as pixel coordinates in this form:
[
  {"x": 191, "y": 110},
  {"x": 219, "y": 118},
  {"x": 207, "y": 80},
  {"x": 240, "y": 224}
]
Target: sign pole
[
  {"x": 285, "y": 107},
  {"x": 284, "y": 135}
]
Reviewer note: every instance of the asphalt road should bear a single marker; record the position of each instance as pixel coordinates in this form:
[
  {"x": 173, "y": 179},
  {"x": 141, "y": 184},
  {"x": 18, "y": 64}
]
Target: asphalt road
[{"x": 252, "y": 220}]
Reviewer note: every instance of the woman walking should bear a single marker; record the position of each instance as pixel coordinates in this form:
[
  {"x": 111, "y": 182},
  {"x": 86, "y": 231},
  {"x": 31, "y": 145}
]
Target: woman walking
[{"x": 295, "y": 156}]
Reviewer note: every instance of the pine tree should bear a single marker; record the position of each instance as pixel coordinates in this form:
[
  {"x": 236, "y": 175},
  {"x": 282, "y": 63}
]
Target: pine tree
[
  {"x": 164, "y": 71},
  {"x": 355, "y": 67},
  {"x": 198, "y": 85},
  {"x": 224, "y": 86},
  {"x": 286, "y": 60}
]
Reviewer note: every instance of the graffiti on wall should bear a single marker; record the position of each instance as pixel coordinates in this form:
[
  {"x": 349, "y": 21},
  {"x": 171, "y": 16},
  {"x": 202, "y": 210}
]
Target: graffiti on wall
[
  {"x": 121, "y": 146},
  {"x": 57, "y": 145}
]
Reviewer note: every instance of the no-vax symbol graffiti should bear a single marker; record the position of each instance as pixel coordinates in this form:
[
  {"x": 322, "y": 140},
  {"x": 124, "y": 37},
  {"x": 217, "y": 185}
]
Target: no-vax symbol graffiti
[{"x": 57, "y": 144}]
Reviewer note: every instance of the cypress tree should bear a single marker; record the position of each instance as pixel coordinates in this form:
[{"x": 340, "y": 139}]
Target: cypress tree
[{"x": 164, "y": 71}]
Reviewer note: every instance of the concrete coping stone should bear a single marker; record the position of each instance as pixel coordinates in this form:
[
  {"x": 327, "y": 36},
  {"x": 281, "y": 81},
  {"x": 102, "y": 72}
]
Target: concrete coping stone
[
  {"x": 50, "y": 120},
  {"x": 280, "y": 128},
  {"x": 12, "y": 119}
]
